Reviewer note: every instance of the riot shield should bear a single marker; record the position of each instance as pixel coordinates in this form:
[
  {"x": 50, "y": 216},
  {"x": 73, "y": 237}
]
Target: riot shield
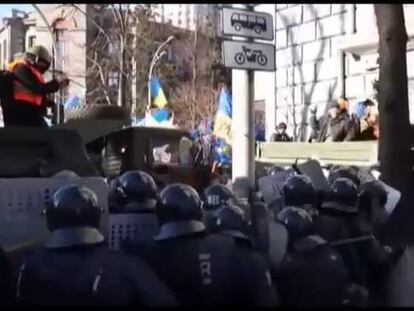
[
  {"x": 271, "y": 186},
  {"x": 313, "y": 170},
  {"x": 278, "y": 241},
  {"x": 260, "y": 227}
]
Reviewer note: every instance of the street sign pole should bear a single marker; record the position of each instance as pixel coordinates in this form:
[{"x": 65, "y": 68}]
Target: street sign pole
[{"x": 243, "y": 144}]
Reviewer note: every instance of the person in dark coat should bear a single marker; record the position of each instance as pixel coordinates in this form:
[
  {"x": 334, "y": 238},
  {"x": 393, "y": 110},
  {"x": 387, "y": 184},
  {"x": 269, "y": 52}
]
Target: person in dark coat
[
  {"x": 280, "y": 134},
  {"x": 336, "y": 124},
  {"x": 75, "y": 268},
  {"x": 203, "y": 269}
]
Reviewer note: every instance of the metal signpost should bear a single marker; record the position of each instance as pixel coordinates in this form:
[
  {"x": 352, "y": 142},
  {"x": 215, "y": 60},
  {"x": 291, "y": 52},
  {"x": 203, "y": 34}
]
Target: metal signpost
[{"x": 245, "y": 56}]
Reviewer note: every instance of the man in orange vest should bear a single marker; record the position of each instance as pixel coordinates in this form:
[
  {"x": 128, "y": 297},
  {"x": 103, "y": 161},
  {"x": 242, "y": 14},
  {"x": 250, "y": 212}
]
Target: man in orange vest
[{"x": 27, "y": 106}]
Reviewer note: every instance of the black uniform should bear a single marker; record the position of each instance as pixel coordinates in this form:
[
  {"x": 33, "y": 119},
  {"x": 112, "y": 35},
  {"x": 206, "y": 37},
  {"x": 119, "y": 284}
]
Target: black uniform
[
  {"x": 211, "y": 270},
  {"x": 75, "y": 268},
  {"x": 5, "y": 279},
  {"x": 200, "y": 268},
  {"x": 312, "y": 273},
  {"x": 89, "y": 275},
  {"x": 335, "y": 222}
]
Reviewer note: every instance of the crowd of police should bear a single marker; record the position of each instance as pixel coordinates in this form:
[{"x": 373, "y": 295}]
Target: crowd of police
[{"x": 212, "y": 249}]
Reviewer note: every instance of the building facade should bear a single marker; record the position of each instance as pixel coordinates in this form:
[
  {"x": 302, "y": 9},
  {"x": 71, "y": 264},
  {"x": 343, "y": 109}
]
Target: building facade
[
  {"x": 324, "y": 51},
  {"x": 12, "y": 37},
  {"x": 183, "y": 15}
]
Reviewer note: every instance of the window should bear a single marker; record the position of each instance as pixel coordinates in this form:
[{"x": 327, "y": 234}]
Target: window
[
  {"x": 31, "y": 41},
  {"x": 243, "y": 18}
]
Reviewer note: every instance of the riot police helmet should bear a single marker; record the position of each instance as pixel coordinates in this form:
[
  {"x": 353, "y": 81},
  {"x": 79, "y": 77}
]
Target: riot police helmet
[
  {"x": 179, "y": 202},
  {"x": 343, "y": 196},
  {"x": 133, "y": 191},
  {"x": 216, "y": 196},
  {"x": 231, "y": 219},
  {"x": 344, "y": 172},
  {"x": 297, "y": 221},
  {"x": 373, "y": 189},
  {"x": 298, "y": 190},
  {"x": 179, "y": 212},
  {"x": 73, "y": 206}
]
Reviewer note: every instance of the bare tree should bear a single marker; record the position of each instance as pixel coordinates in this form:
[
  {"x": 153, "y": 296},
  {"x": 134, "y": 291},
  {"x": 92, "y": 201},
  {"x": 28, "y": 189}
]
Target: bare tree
[
  {"x": 118, "y": 47},
  {"x": 394, "y": 154},
  {"x": 197, "y": 97}
]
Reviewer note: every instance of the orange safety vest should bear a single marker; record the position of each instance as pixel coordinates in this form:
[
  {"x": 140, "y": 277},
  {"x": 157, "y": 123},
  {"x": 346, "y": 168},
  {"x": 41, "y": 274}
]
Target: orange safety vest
[{"x": 20, "y": 91}]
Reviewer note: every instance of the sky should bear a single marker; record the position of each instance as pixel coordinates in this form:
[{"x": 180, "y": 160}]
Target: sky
[{"x": 5, "y": 9}]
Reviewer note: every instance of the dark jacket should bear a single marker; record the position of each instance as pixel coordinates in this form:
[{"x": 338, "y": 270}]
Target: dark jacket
[
  {"x": 5, "y": 279},
  {"x": 91, "y": 276},
  {"x": 280, "y": 137},
  {"x": 20, "y": 113},
  {"x": 210, "y": 270},
  {"x": 342, "y": 128},
  {"x": 334, "y": 226},
  {"x": 312, "y": 275}
]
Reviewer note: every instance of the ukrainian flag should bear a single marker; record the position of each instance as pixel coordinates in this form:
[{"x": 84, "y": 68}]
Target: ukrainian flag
[
  {"x": 157, "y": 94},
  {"x": 222, "y": 124}
]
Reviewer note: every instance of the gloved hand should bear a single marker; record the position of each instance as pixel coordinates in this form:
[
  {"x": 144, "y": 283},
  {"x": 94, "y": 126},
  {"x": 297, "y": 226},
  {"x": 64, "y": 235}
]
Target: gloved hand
[{"x": 62, "y": 79}]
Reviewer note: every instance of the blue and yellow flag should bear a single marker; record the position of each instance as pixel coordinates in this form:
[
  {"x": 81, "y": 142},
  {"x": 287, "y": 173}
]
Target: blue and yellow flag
[
  {"x": 157, "y": 94},
  {"x": 222, "y": 124}
]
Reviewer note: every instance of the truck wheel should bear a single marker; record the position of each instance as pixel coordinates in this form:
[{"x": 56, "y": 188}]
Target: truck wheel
[{"x": 90, "y": 111}]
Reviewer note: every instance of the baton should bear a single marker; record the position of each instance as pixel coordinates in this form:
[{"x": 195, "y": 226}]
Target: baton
[{"x": 352, "y": 240}]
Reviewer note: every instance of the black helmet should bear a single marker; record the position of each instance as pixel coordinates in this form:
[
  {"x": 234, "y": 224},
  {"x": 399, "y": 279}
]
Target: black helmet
[
  {"x": 231, "y": 219},
  {"x": 179, "y": 211},
  {"x": 135, "y": 191},
  {"x": 217, "y": 196},
  {"x": 373, "y": 189},
  {"x": 73, "y": 207},
  {"x": 297, "y": 221},
  {"x": 373, "y": 198},
  {"x": 298, "y": 190},
  {"x": 344, "y": 172},
  {"x": 343, "y": 196}
]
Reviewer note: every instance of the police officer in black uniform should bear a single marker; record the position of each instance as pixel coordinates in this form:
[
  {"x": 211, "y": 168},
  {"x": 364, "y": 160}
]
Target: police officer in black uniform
[
  {"x": 76, "y": 268},
  {"x": 215, "y": 197},
  {"x": 312, "y": 273},
  {"x": 299, "y": 191},
  {"x": 230, "y": 220},
  {"x": 337, "y": 214},
  {"x": 135, "y": 193},
  {"x": 203, "y": 269},
  {"x": 376, "y": 258}
]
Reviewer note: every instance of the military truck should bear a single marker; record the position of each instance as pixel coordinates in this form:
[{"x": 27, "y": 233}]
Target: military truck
[{"x": 93, "y": 151}]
